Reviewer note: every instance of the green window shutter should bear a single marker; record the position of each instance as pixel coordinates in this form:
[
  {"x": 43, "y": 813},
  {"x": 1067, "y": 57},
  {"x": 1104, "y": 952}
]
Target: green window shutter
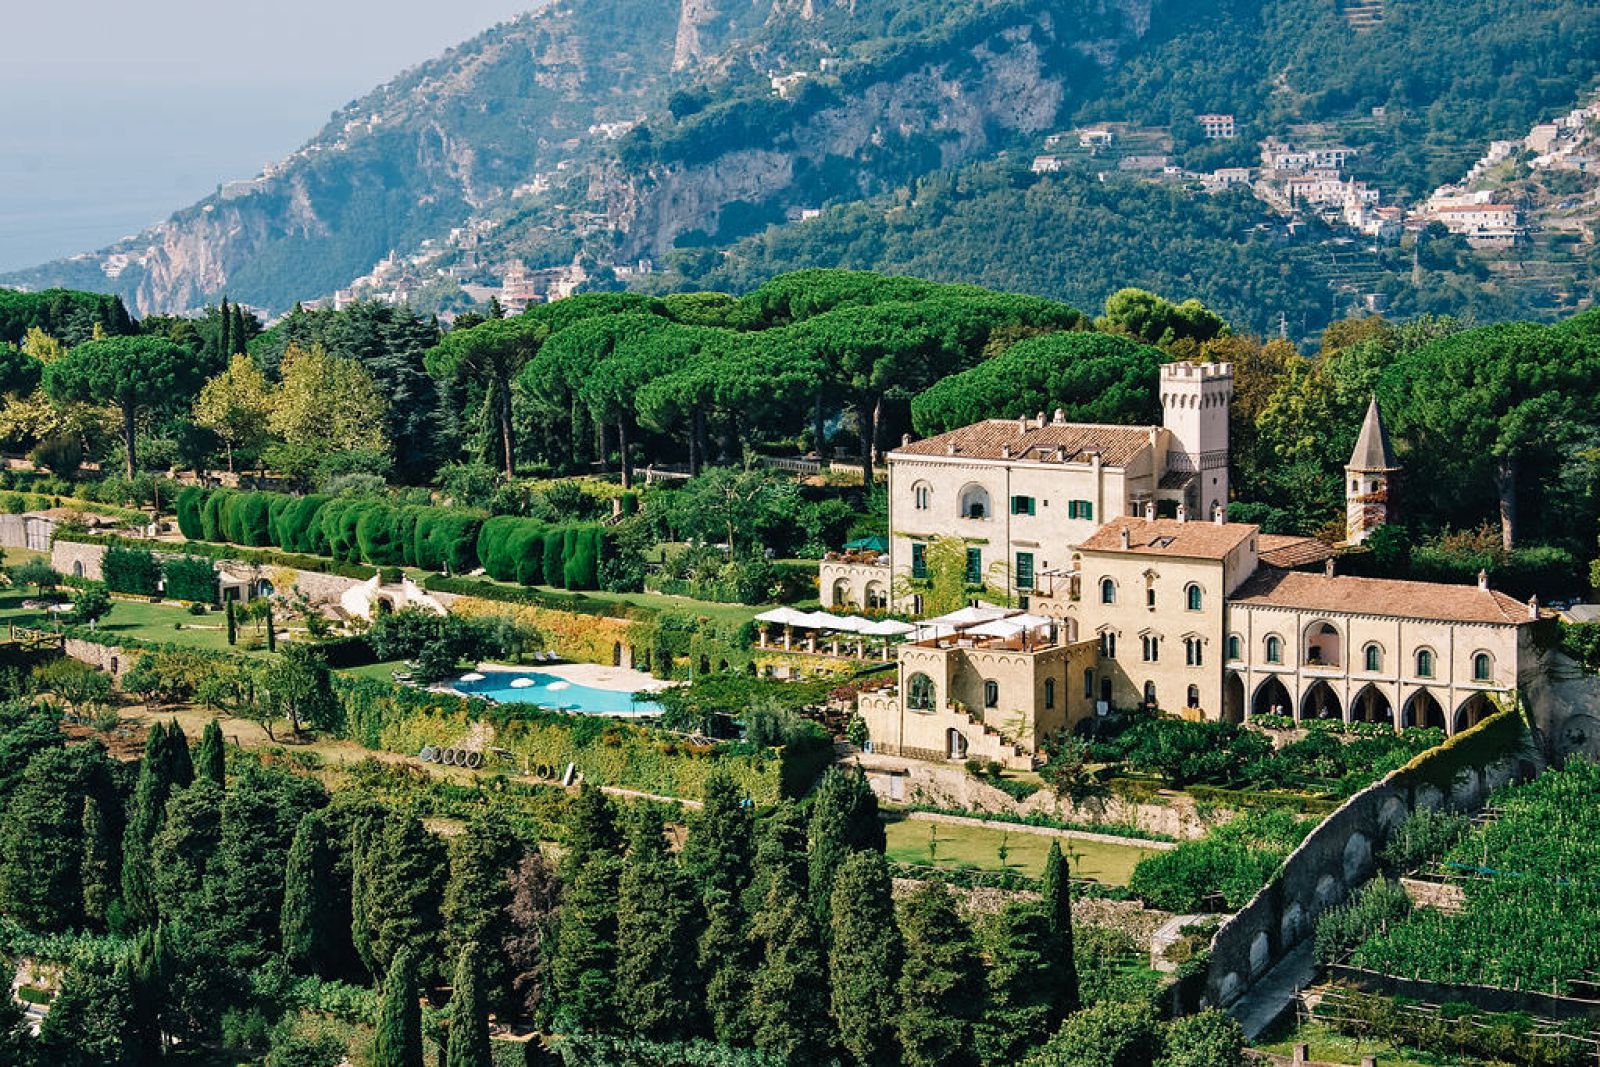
[
  {"x": 919, "y": 561},
  {"x": 1024, "y": 570},
  {"x": 974, "y": 566},
  {"x": 1088, "y": 509}
]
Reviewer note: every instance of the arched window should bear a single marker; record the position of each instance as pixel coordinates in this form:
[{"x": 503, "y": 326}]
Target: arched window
[
  {"x": 921, "y": 496},
  {"x": 1235, "y": 647},
  {"x": 1151, "y": 647},
  {"x": 975, "y": 502},
  {"x": 1192, "y": 597},
  {"x": 1482, "y": 667},
  {"x": 1049, "y": 693},
  {"x": 1374, "y": 657},
  {"x": 1150, "y": 694},
  {"x": 77, "y": 568},
  {"x": 1088, "y": 684},
  {"x": 1274, "y": 649},
  {"x": 919, "y": 692},
  {"x": 1424, "y": 663},
  {"x": 1193, "y": 655},
  {"x": 1193, "y": 699},
  {"x": 1108, "y": 591},
  {"x": 1108, "y": 645},
  {"x": 991, "y": 694}
]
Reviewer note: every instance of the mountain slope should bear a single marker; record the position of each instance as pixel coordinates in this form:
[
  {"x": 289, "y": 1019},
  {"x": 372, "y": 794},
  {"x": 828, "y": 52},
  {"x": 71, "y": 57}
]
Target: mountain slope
[{"x": 625, "y": 128}]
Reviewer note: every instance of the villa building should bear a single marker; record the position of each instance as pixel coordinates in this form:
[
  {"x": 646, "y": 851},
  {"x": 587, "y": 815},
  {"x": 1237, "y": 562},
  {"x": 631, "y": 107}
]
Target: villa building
[{"x": 1197, "y": 616}]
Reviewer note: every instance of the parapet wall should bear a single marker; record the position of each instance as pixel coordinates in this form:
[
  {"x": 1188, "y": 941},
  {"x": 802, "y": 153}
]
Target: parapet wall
[{"x": 1340, "y": 855}]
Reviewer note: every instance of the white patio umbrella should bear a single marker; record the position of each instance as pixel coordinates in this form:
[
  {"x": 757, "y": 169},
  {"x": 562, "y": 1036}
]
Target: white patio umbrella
[{"x": 972, "y": 616}]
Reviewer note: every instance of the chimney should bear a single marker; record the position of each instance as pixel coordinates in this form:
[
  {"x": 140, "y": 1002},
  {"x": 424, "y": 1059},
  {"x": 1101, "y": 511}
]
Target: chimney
[
  {"x": 1022, "y": 423},
  {"x": 1533, "y": 606},
  {"x": 1219, "y": 514},
  {"x": 905, "y": 439},
  {"x": 1005, "y": 451},
  {"x": 1039, "y": 420},
  {"x": 1483, "y": 580},
  {"x": 950, "y": 448},
  {"x": 1125, "y": 537},
  {"x": 1061, "y": 454},
  {"x": 1183, "y": 513},
  {"x": 1060, "y": 418},
  {"x": 1327, "y": 568},
  {"x": 1149, "y": 511}
]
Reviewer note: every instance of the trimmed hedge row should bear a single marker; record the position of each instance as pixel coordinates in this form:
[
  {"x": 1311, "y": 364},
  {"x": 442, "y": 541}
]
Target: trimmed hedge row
[
  {"x": 135, "y": 571},
  {"x": 452, "y": 540}
]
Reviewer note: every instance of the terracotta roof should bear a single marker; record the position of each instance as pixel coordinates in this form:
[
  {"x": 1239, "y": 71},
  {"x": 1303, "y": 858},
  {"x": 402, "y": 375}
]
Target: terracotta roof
[
  {"x": 1346, "y": 595},
  {"x": 1030, "y": 442},
  {"x": 1288, "y": 551},
  {"x": 1372, "y": 451},
  {"x": 1169, "y": 537}
]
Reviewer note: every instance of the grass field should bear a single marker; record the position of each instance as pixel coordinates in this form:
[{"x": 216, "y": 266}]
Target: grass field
[
  {"x": 1328, "y": 1045},
  {"x": 979, "y": 846},
  {"x": 136, "y": 619}
]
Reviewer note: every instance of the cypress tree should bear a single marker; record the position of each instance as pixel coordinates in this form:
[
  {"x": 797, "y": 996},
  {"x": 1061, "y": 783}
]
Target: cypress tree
[
  {"x": 468, "y": 1044},
  {"x": 233, "y": 624},
  {"x": 582, "y": 969},
  {"x": 101, "y": 876},
  {"x": 41, "y": 839},
  {"x": 91, "y": 1020},
  {"x": 182, "y": 852},
  {"x": 844, "y": 819},
  {"x": 780, "y": 856},
  {"x": 727, "y": 961},
  {"x": 272, "y": 632},
  {"x": 180, "y": 764},
  {"x": 864, "y": 961},
  {"x": 397, "y": 1039},
  {"x": 721, "y": 841},
  {"x": 590, "y": 830},
  {"x": 1019, "y": 1000},
  {"x": 241, "y": 332},
  {"x": 941, "y": 982},
  {"x": 478, "y": 895},
  {"x": 149, "y": 809},
  {"x": 1055, "y": 899},
  {"x": 403, "y": 888},
  {"x": 211, "y": 760},
  {"x": 224, "y": 341},
  {"x": 658, "y": 914},
  {"x": 310, "y": 918},
  {"x": 789, "y": 991}
]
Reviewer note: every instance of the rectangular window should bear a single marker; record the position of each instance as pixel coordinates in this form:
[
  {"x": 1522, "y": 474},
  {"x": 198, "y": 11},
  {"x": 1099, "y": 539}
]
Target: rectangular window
[
  {"x": 1022, "y": 505},
  {"x": 1080, "y": 509},
  {"x": 919, "y": 561},
  {"x": 974, "y": 566},
  {"x": 1024, "y": 570}
]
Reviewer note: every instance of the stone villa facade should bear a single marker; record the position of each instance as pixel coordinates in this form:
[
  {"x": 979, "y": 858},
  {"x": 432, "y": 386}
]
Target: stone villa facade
[{"x": 1189, "y": 613}]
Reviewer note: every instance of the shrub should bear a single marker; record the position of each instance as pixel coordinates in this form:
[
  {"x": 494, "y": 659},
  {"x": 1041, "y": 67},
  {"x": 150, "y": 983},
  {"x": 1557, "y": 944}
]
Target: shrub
[
  {"x": 1340, "y": 929},
  {"x": 251, "y": 519},
  {"x": 131, "y": 570},
  {"x": 552, "y": 558},
  {"x": 190, "y": 503},
  {"x": 211, "y": 515},
  {"x": 1233, "y": 861},
  {"x": 446, "y": 539},
  {"x": 63, "y": 454},
  {"x": 1425, "y": 835},
  {"x": 191, "y": 578},
  {"x": 299, "y": 525},
  {"x": 378, "y": 537}
]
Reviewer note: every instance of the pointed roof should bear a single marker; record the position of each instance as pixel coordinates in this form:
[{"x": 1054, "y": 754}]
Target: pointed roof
[{"x": 1373, "y": 451}]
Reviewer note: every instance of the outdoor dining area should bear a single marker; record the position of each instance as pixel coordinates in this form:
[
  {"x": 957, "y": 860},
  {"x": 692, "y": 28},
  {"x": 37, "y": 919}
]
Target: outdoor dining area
[
  {"x": 821, "y": 633},
  {"x": 984, "y": 626}
]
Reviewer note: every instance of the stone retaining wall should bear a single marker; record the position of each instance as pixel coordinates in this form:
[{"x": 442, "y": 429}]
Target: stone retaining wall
[{"x": 1336, "y": 858}]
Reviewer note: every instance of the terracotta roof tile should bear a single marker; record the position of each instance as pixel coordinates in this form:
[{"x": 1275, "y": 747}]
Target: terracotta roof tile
[
  {"x": 1289, "y": 551},
  {"x": 1031, "y": 442},
  {"x": 1344, "y": 594},
  {"x": 1169, "y": 537}
]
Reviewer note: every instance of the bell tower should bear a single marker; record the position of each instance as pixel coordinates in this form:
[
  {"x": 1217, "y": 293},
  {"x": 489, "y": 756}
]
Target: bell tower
[{"x": 1370, "y": 476}]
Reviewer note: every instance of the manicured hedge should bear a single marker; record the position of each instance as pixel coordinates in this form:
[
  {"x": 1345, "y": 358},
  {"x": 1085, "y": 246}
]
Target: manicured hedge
[
  {"x": 447, "y": 539},
  {"x": 378, "y": 536},
  {"x": 267, "y": 556},
  {"x": 133, "y": 571},
  {"x": 189, "y": 504},
  {"x": 191, "y": 578},
  {"x": 211, "y": 524},
  {"x": 300, "y": 526},
  {"x": 527, "y": 551},
  {"x": 250, "y": 519}
]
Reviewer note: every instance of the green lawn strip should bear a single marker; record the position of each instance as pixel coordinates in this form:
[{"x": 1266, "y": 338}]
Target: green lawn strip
[
  {"x": 144, "y": 621},
  {"x": 1330, "y": 1046},
  {"x": 978, "y": 846}
]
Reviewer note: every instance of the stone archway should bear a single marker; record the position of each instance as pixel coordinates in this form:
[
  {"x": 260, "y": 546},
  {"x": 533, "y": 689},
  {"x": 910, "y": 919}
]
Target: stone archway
[
  {"x": 1321, "y": 702},
  {"x": 1422, "y": 709},
  {"x": 841, "y": 593},
  {"x": 1272, "y": 698},
  {"x": 1473, "y": 710},
  {"x": 1233, "y": 698},
  {"x": 956, "y": 744},
  {"x": 1371, "y": 705}
]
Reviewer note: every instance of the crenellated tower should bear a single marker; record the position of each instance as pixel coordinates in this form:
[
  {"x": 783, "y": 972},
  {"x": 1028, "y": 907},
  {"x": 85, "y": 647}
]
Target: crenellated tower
[{"x": 1194, "y": 407}]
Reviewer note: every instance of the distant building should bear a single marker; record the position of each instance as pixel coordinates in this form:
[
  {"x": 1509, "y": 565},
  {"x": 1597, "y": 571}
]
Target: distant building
[
  {"x": 1048, "y": 164},
  {"x": 1217, "y": 127},
  {"x": 1096, "y": 137}
]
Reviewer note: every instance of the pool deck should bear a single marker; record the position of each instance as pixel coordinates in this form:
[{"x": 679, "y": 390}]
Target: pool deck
[{"x": 598, "y": 676}]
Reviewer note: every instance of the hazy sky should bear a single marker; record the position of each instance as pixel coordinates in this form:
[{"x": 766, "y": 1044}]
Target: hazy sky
[{"x": 117, "y": 113}]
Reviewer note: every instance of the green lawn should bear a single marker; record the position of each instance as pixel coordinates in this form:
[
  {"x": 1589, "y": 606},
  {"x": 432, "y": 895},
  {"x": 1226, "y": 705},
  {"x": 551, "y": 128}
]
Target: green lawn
[
  {"x": 137, "y": 619},
  {"x": 10, "y": 557},
  {"x": 978, "y": 846},
  {"x": 382, "y": 671}
]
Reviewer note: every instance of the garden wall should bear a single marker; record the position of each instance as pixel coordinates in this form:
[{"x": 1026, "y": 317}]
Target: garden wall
[
  {"x": 1487, "y": 998},
  {"x": 1341, "y": 853},
  {"x": 317, "y": 586}
]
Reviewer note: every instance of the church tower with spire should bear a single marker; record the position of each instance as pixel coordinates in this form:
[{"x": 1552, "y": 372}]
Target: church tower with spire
[{"x": 1369, "y": 497}]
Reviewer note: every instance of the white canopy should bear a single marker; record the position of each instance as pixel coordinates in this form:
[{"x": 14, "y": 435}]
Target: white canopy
[
  {"x": 784, "y": 617},
  {"x": 1008, "y": 628},
  {"x": 971, "y": 616},
  {"x": 886, "y": 628}
]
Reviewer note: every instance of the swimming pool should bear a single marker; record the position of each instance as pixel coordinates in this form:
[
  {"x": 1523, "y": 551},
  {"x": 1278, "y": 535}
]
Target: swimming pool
[{"x": 551, "y": 691}]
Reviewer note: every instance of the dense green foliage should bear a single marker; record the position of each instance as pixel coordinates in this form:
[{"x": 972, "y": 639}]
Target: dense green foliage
[{"x": 1230, "y": 863}]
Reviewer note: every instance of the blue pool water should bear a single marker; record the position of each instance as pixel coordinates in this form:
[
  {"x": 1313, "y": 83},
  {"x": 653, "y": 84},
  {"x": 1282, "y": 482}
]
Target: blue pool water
[{"x": 550, "y": 691}]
